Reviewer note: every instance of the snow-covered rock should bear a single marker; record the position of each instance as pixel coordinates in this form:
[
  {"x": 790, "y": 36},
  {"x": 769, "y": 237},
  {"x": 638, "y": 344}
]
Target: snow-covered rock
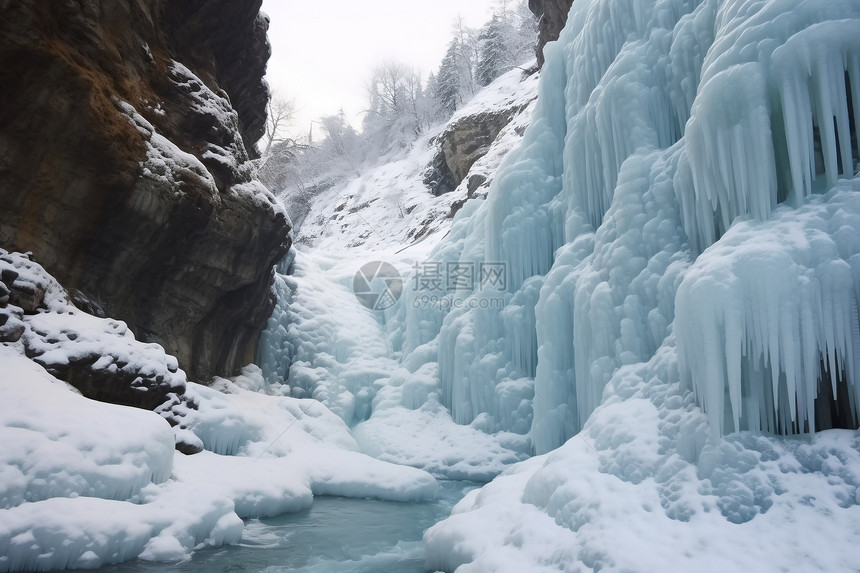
[
  {"x": 133, "y": 182},
  {"x": 85, "y": 483}
]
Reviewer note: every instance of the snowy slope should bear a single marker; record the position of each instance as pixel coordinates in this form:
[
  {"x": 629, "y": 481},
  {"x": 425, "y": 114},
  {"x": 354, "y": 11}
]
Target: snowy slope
[
  {"x": 389, "y": 204},
  {"x": 323, "y": 343}
]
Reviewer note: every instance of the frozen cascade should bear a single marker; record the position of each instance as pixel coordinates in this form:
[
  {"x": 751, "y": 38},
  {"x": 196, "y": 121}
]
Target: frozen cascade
[
  {"x": 659, "y": 125},
  {"x": 697, "y": 259}
]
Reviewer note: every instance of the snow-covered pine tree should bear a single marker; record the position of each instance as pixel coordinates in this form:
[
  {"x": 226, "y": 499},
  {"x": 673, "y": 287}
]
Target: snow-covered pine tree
[
  {"x": 447, "y": 89},
  {"x": 493, "y": 59},
  {"x": 467, "y": 57},
  {"x": 505, "y": 41}
]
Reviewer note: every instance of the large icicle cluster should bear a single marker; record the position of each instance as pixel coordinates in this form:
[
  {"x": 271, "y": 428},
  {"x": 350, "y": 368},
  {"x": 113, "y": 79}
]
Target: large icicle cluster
[
  {"x": 686, "y": 201},
  {"x": 771, "y": 309},
  {"x": 658, "y": 125}
]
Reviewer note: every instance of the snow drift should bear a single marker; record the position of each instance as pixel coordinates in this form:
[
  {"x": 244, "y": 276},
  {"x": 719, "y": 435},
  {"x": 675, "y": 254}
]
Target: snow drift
[{"x": 86, "y": 483}]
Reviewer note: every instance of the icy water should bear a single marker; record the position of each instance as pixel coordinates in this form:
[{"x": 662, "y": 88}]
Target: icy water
[{"x": 336, "y": 535}]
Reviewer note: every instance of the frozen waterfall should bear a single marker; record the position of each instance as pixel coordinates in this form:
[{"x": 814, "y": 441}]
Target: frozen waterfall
[
  {"x": 687, "y": 165},
  {"x": 685, "y": 172}
]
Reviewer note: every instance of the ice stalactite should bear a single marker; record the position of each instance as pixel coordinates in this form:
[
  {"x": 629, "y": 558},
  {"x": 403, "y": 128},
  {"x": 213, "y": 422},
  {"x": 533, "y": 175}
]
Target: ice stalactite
[
  {"x": 772, "y": 122},
  {"x": 771, "y": 309},
  {"x": 730, "y": 149},
  {"x": 819, "y": 74}
]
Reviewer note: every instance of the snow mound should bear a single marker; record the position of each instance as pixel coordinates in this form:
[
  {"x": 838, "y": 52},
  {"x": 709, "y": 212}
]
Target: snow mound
[
  {"x": 77, "y": 493},
  {"x": 85, "y": 532},
  {"x": 60, "y": 444}
]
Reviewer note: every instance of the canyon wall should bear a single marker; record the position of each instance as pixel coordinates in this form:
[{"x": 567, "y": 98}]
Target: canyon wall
[{"x": 126, "y": 133}]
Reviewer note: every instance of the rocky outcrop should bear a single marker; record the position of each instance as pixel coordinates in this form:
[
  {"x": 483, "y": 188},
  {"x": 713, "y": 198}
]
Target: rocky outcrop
[
  {"x": 553, "y": 17},
  {"x": 124, "y": 166},
  {"x": 461, "y": 145},
  {"x": 232, "y": 34},
  {"x": 98, "y": 356}
]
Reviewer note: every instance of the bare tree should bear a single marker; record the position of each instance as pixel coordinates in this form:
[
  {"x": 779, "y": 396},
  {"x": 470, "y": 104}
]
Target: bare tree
[
  {"x": 281, "y": 112},
  {"x": 394, "y": 117}
]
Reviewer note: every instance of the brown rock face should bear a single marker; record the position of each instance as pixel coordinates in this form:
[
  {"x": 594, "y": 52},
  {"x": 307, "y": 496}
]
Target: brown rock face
[
  {"x": 553, "y": 17},
  {"x": 461, "y": 145},
  {"x": 123, "y": 165}
]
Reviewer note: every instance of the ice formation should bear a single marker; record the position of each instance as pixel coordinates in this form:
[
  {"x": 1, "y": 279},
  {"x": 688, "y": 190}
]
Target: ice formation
[
  {"x": 373, "y": 369},
  {"x": 686, "y": 202},
  {"x": 660, "y": 127},
  {"x": 679, "y": 229}
]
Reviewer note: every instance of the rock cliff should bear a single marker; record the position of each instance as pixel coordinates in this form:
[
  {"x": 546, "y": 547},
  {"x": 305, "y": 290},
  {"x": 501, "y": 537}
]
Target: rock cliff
[
  {"x": 461, "y": 144},
  {"x": 471, "y": 132},
  {"x": 553, "y": 17},
  {"x": 126, "y": 130}
]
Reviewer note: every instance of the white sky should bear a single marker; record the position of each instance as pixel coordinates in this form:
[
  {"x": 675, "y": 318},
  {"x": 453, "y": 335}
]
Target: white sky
[{"x": 323, "y": 53}]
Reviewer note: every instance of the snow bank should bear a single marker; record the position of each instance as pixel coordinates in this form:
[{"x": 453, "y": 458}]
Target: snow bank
[
  {"x": 75, "y": 492},
  {"x": 60, "y": 444},
  {"x": 271, "y": 454},
  {"x": 86, "y": 483},
  {"x": 267, "y": 486},
  {"x": 86, "y": 532}
]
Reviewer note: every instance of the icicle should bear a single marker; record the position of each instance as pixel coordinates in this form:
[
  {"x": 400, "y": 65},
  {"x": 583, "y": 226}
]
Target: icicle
[
  {"x": 809, "y": 70},
  {"x": 730, "y": 150},
  {"x": 788, "y": 298}
]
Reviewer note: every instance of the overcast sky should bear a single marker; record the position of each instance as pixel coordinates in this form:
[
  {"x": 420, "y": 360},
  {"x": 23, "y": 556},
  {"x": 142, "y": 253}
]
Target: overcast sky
[{"x": 324, "y": 52}]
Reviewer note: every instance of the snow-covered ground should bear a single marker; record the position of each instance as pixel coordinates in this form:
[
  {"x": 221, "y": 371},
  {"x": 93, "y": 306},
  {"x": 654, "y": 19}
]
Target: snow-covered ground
[{"x": 84, "y": 483}]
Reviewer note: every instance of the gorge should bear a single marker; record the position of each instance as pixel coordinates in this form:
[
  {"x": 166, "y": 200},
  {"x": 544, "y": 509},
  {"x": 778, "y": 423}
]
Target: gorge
[{"x": 632, "y": 313}]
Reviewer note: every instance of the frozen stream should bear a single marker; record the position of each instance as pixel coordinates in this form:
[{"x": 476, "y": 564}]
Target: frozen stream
[{"x": 335, "y": 535}]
